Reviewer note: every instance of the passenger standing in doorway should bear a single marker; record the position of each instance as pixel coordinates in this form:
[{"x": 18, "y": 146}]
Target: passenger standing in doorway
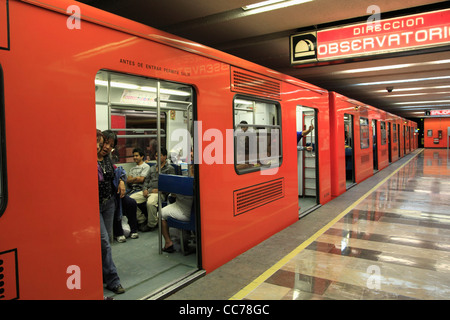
[
  {"x": 300, "y": 135},
  {"x": 107, "y": 206}
]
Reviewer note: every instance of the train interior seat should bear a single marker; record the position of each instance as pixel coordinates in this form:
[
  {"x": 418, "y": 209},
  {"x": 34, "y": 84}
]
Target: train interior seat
[{"x": 185, "y": 186}]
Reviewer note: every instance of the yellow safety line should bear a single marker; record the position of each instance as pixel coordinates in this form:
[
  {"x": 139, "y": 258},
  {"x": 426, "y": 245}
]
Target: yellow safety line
[{"x": 269, "y": 272}]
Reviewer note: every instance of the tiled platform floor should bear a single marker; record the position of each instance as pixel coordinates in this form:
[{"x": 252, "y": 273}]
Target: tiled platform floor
[{"x": 393, "y": 242}]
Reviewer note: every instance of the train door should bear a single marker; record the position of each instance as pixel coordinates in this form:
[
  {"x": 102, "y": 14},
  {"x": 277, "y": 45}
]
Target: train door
[
  {"x": 389, "y": 128},
  {"x": 307, "y": 163},
  {"x": 349, "y": 150},
  {"x": 145, "y": 113},
  {"x": 411, "y": 143},
  {"x": 398, "y": 141},
  {"x": 404, "y": 140},
  {"x": 375, "y": 145}
]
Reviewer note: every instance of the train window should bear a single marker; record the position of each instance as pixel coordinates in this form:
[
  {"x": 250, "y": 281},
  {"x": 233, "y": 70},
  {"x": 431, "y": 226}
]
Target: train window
[
  {"x": 3, "y": 180},
  {"x": 257, "y": 128},
  {"x": 127, "y": 104},
  {"x": 383, "y": 132},
  {"x": 364, "y": 130}
]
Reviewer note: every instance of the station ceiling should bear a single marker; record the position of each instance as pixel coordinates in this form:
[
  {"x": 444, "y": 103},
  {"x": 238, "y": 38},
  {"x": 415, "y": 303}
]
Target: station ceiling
[{"x": 420, "y": 79}]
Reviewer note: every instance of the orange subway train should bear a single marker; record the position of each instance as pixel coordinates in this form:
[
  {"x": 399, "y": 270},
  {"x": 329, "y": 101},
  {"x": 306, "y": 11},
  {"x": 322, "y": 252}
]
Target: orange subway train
[
  {"x": 364, "y": 140},
  {"x": 68, "y": 69}
]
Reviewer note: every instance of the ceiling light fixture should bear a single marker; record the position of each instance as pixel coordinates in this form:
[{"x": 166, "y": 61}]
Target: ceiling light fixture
[
  {"x": 420, "y": 102},
  {"x": 261, "y": 4},
  {"x": 414, "y": 94},
  {"x": 401, "y": 81},
  {"x": 394, "y": 66},
  {"x": 122, "y": 85},
  {"x": 270, "y": 5},
  {"x": 416, "y": 89},
  {"x": 372, "y": 69}
]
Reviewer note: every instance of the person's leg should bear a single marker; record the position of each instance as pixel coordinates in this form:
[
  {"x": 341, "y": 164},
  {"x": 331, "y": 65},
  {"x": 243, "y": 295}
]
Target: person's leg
[
  {"x": 110, "y": 276},
  {"x": 166, "y": 235},
  {"x": 152, "y": 210},
  {"x": 139, "y": 198},
  {"x": 129, "y": 207}
]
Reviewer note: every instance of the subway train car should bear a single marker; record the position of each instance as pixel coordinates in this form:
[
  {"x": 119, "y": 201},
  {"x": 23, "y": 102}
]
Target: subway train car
[
  {"x": 351, "y": 142},
  {"x": 67, "y": 69},
  {"x": 364, "y": 140}
]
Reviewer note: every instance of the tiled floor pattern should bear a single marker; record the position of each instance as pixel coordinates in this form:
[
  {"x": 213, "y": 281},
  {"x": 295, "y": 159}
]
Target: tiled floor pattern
[{"x": 395, "y": 244}]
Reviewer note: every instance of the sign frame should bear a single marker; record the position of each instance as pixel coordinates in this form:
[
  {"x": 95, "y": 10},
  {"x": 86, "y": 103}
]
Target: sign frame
[{"x": 403, "y": 34}]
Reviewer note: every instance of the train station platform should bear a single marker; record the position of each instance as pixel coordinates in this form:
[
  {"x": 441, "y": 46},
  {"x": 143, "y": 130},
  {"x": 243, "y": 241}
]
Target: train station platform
[{"x": 386, "y": 238}]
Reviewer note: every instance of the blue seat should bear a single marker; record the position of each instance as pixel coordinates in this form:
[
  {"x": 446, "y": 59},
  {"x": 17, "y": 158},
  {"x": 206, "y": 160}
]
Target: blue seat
[{"x": 179, "y": 185}]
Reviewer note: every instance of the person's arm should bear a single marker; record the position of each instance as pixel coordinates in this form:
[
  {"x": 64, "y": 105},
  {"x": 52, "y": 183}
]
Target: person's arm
[
  {"x": 121, "y": 190},
  {"x": 302, "y": 148},
  {"x": 311, "y": 128}
]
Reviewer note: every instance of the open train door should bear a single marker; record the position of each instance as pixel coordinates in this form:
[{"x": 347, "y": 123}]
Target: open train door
[
  {"x": 150, "y": 114},
  {"x": 349, "y": 151},
  {"x": 307, "y": 160},
  {"x": 375, "y": 145},
  {"x": 389, "y": 129}
]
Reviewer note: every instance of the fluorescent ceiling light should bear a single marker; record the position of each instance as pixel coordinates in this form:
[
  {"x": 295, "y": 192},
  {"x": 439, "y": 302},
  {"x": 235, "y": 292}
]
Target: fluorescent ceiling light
[
  {"x": 420, "y": 102},
  {"x": 415, "y": 89},
  {"x": 261, "y": 4},
  {"x": 404, "y": 95},
  {"x": 136, "y": 87},
  {"x": 396, "y": 66},
  {"x": 393, "y": 66},
  {"x": 239, "y": 101},
  {"x": 401, "y": 81},
  {"x": 422, "y": 107},
  {"x": 414, "y": 94},
  {"x": 271, "y": 5}
]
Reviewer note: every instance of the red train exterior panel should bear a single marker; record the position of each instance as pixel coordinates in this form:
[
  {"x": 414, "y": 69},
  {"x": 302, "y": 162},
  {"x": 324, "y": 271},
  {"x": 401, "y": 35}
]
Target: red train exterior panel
[
  {"x": 53, "y": 124},
  {"x": 58, "y": 111}
]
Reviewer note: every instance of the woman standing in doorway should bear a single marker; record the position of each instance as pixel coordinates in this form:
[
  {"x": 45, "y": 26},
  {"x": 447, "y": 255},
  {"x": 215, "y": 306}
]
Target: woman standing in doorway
[{"x": 107, "y": 206}]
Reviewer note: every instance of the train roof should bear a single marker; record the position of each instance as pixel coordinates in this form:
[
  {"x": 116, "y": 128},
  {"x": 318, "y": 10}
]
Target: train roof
[{"x": 112, "y": 21}]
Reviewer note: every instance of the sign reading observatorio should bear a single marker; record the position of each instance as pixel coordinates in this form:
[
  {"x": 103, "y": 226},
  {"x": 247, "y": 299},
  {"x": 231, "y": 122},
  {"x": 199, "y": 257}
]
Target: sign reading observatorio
[{"x": 412, "y": 32}]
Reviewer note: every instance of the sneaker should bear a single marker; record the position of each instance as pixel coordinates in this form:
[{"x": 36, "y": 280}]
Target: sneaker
[
  {"x": 121, "y": 239},
  {"x": 134, "y": 235},
  {"x": 117, "y": 289}
]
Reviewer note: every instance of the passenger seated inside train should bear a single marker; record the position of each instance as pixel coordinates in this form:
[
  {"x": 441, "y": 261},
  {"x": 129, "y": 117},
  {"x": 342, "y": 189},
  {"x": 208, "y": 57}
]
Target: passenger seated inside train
[
  {"x": 149, "y": 194},
  {"x": 179, "y": 210},
  {"x": 128, "y": 205},
  {"x": 138, "y": 173}
]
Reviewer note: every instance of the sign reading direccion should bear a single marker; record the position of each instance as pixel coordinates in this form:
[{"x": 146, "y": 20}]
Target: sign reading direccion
[{"x": 391, "y": 35}]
